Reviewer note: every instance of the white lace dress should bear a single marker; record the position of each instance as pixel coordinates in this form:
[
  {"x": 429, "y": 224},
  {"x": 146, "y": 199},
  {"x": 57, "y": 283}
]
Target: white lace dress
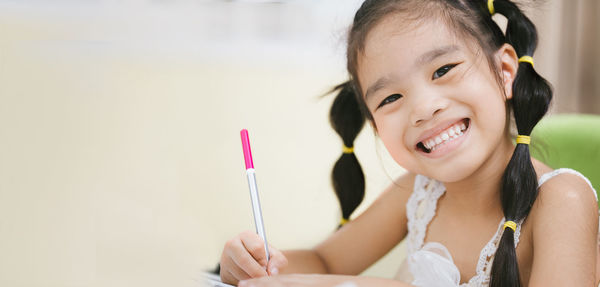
[{"x": 430, "y": 264}]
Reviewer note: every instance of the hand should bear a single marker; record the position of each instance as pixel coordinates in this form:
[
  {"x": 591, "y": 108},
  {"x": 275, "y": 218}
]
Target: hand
[{"x": 244, "y": 258}]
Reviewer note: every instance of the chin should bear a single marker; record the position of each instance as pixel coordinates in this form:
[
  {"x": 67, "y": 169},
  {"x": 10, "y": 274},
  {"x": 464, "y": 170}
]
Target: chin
[
  {"x": 452, "y": 172},
  {"x": 449, "y": 177}
]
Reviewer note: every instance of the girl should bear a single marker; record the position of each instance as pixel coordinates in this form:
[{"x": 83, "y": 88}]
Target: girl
[{"x": 438, "y": 80}]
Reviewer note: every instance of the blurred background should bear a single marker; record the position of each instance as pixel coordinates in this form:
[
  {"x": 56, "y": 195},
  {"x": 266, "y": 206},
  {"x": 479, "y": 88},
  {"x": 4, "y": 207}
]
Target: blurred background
[{"x": 120, "y": 157}]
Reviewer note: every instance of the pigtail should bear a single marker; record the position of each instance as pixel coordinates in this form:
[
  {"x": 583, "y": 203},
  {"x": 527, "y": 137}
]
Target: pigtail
[
  {"x": 347, "y": 176},
  {"x": 531, "y": 96}
]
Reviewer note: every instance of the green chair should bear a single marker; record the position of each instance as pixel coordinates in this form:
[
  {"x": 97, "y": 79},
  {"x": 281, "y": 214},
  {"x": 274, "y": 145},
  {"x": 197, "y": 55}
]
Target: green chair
[{"x": 569, "y": 140}]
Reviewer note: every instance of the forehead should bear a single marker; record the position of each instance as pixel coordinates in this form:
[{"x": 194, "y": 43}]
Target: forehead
[
  {"x": 406, "y": 36},
  {"x": 396, "y": 40}
]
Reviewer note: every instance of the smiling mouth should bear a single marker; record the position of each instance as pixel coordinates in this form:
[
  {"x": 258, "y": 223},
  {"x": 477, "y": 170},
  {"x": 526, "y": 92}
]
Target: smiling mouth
[{"x": 446, "y": 136}]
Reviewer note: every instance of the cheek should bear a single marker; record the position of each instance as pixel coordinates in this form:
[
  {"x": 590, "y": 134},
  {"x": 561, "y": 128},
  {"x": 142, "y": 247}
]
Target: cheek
[
  {"x": 390, "y": 130},
  {"x": 486, "y": 98},
  {"x": 491, "y": 116}
]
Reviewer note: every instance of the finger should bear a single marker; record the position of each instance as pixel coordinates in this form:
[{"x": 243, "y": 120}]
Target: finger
[
  {"x": 234, "y": 275},
  {"x": 276, "y": 262},
  {"x": 256, "y": 246},
  {"x": 240, "y": 256},
  {"x": 236, "y": 258},
  {"x": 230, "y": 272}
]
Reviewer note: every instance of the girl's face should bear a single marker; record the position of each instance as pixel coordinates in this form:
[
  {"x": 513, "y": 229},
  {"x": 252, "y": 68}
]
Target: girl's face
[{"x": 435, "y": 102}]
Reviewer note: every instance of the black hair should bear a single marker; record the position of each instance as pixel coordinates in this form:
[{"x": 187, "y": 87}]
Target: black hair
[
  {"x": 531, "y": 97},
  {"x": 347, "y": 176}
]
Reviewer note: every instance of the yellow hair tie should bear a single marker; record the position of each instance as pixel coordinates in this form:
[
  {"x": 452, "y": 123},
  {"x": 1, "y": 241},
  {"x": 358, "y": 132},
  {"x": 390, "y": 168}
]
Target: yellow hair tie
[
  {"x": 523, "y": 139},
  {"x": 346, "y": 149},
  {"x": 343, "y": 221},
  {"x": 491, "y": 7},
  {"x": 510, "y": 224},
  {"x": 526, "y": 59}
]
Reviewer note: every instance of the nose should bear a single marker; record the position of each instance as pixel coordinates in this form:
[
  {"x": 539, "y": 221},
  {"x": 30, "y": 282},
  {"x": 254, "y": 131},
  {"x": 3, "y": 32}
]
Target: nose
[{"x": 426, "y": 107}]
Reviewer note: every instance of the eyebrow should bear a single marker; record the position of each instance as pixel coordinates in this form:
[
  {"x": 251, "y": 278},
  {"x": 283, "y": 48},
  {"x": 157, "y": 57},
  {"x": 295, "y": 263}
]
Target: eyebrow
[
  {"x": 436, "y": 53},
  {"x": 423, "y": 59}
]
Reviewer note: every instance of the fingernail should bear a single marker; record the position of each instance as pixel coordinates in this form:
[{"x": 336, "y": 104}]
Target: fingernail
[
  {"x": 274, "y": 271},
  {"x": 242, "y": 284}
]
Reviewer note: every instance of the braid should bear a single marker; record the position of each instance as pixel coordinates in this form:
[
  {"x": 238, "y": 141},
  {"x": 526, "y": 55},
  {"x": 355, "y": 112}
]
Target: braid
[
  {"x": 531, "y": 96},
  {"x": 347, "y": 176}
]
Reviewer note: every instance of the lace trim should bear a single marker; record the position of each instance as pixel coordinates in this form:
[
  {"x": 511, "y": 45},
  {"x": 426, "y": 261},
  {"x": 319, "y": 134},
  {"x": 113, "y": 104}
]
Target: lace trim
[
  {"x": 486, "y": 256},
  {"x": 421, "y": 208}
]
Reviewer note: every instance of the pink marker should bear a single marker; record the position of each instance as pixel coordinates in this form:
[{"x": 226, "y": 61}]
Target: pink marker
[{"x": 258, "y": 221}]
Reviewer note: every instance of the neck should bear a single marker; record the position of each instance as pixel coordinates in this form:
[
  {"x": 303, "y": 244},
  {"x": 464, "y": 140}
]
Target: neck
[{"x": 480, "y": 192}]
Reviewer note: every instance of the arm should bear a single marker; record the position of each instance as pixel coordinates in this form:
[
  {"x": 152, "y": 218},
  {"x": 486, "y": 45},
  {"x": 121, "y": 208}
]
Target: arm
[
  {"x": 350, "y": 250},
  {"x": 298, "y": 280},
  {"x": 304, "y": 261},
  {"x": 565, "y": 230},
  {"x": 362, "y": 241}
]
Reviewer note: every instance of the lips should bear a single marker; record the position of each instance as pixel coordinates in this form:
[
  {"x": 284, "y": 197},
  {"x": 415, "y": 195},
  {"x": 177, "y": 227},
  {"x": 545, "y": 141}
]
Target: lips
[{"x": 442, "y": 134}]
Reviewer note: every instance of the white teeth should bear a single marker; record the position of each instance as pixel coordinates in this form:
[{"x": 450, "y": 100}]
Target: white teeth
[{"x": 449, "y": 134}]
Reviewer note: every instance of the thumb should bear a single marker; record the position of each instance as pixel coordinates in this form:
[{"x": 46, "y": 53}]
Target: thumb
[{"x": 277, "y": 261}]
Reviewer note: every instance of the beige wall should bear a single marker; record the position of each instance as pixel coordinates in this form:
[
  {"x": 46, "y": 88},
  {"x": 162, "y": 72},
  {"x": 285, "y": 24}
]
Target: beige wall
[
  {"x": 120, "y": 157},
  {"x": 568, "y": 54}
]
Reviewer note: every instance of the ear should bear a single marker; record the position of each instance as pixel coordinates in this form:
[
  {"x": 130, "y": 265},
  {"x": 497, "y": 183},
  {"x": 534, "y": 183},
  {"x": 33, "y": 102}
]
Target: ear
[{"x": 508, "y": 61}]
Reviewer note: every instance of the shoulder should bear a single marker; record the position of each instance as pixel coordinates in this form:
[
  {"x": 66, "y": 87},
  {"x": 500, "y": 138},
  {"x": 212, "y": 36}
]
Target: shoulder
[
  {"x": 404, "y": 183},
  {"x": 565, "y": 214},
  {"x": 566, "y": 189},
  {"x": 565, "y": 199},
  {"x": 393, "y": 199},
  {"x": 399, "y": 188},
  {"x": 402, "y": 187}
]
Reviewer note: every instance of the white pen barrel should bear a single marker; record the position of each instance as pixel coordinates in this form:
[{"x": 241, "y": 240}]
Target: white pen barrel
[{"x": 258, "y": 219}]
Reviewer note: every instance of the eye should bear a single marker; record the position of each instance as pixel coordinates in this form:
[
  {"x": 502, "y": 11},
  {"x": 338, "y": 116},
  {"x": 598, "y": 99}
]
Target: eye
[
  {"x": 389, "y": 99},
  {"x": 442, "y": 71}
]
